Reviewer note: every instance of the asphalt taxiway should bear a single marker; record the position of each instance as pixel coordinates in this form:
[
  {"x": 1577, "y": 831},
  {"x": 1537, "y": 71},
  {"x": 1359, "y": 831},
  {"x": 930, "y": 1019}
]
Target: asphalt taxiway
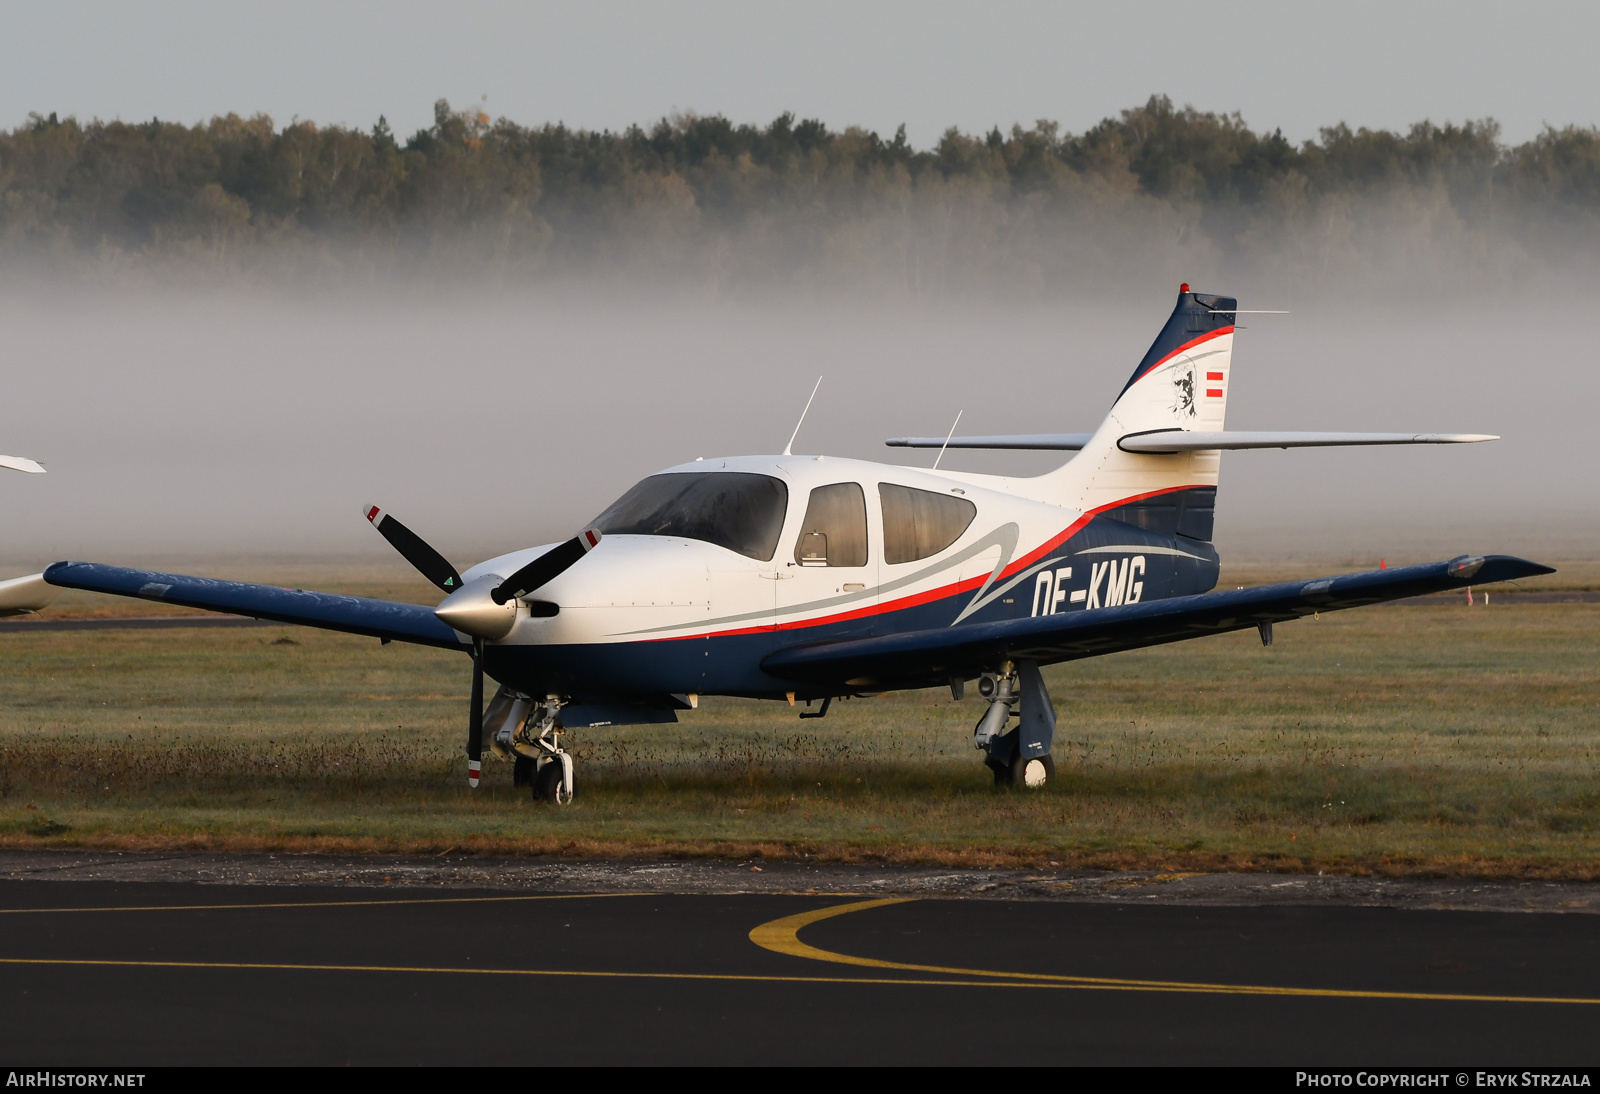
[{"x": 125, "y": 972}]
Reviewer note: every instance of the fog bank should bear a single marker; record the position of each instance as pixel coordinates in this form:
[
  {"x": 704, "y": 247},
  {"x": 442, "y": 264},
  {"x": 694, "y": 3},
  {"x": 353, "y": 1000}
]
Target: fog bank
[{"x": 186, "y": 423}]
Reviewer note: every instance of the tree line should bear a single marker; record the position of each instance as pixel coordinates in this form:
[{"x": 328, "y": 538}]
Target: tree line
[{"x": 725, "y": 203}]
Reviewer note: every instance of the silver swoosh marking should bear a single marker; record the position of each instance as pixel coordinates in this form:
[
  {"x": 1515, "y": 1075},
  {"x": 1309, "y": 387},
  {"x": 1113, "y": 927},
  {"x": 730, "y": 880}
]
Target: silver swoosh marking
[{"x": 1139, "y": 549}]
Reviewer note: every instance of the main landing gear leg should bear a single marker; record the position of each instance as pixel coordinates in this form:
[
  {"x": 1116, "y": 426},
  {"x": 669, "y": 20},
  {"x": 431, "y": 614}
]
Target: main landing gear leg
[{"x": 1018, "y": 755}]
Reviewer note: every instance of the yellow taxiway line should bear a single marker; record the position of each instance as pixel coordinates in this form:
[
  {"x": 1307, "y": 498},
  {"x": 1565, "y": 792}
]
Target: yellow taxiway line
[
  {"x": 783, "y": 936},
  {"x": 778, "y": 935},
  {"x": 465, "y": 971}
]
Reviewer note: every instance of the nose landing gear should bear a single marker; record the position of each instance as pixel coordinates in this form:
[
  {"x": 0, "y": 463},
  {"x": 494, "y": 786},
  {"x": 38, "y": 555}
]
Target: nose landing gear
[
  {"x": 530, "y": 734},
  {"x": 1018, "y": 755}
]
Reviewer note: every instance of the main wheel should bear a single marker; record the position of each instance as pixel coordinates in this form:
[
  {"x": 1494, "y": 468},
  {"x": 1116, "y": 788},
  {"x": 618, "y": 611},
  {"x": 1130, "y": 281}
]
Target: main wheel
[{"x": 1031, "y": 772}]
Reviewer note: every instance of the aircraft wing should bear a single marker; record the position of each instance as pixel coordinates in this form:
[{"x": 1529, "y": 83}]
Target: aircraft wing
[
  {"x": 352, "y": 614},
  {"x": 929, "y": 658},
  {"x": 22, "y": 463},
  {"x": 24, "y": 595}
]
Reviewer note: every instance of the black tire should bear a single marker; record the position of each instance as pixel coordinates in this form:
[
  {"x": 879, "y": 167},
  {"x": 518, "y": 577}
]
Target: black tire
[
  {"x": 522, "y": 771},
  {"x": 546, "y": 781},
  {"x": 1017, "y": 774}
]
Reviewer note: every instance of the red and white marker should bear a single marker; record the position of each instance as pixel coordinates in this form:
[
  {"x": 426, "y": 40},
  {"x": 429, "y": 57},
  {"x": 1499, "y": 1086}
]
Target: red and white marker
[{"x": 474, "y": 772}]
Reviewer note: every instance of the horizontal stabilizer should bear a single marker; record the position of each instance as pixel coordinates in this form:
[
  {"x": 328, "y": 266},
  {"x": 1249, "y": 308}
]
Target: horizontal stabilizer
[
  {"x": 22, "y": 463},
  {"x": 1184, "y": 440},
  {"x": 352, "y": 614},
  {"x": 932, "y": 657},
  {"x": 1040, "y": 442}
]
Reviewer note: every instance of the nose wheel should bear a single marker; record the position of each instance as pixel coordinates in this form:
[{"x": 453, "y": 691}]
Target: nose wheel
[{"x": 552, "y": 782}]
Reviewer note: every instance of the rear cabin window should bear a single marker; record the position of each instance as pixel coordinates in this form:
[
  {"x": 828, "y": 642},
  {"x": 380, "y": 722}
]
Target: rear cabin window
[
  {"x": 733, "y": 509},
  {"x": 919, "y": 523},
  {"x": 835, "y": 528}
]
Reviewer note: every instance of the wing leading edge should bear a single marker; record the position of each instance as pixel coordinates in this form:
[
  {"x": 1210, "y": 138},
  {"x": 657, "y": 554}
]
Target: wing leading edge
[
  {"x": 929, "y": 658},
  {"x": 386, "y": 619}
]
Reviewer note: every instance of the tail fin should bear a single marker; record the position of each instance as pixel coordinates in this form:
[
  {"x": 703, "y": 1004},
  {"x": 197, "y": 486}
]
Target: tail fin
[{"x": 1182, "y": 383}]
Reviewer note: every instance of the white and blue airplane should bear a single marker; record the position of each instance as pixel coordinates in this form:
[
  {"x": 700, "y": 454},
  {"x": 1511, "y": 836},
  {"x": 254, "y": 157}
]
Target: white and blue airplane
[{"x": 809, "y": 578}]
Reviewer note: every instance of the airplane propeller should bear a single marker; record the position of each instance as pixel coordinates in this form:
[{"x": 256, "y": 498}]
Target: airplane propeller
[
  {"x": 476, "y": 609},
  {"x": 544, "y": 569},
  {"x": 430, "y": 563}
]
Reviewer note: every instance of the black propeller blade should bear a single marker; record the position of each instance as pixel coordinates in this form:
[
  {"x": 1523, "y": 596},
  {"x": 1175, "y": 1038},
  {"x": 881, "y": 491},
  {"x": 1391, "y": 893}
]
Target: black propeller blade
[
  {"x": 475, "y": 717},
  {"x": 438, "y": 570},
  {"x": 544, "y": 569},
  {"x": 429, "y": 562}
]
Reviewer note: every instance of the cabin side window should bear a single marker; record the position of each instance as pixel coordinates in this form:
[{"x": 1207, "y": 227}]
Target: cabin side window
[
  {"x": 835, "y": 528},
  {"x": 920, "y": 523}
]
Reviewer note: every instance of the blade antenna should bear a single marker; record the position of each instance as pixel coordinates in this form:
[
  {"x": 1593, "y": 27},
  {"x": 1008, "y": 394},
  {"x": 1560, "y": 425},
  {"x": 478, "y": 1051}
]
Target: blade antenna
[
  {"x": 947, "y": 437},
  {"x": 788, "y": 449}
]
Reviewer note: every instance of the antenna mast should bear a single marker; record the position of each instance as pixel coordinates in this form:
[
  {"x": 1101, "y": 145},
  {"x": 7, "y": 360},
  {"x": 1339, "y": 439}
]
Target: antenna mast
[
  {"x": 947, "y": 437},
  {"x": 788, "y": 449}
]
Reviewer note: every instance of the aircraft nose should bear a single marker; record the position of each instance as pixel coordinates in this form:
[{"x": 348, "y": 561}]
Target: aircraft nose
[{"x": 471, "y": 610}]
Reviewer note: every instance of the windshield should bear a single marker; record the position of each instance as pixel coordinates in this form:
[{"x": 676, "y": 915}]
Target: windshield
[{"x": 733, "y": 509}]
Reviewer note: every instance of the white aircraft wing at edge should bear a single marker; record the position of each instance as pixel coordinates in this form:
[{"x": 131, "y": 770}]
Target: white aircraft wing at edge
[
  {"x": 22, "y": 595},
  {"x": 22, "y": 463}
]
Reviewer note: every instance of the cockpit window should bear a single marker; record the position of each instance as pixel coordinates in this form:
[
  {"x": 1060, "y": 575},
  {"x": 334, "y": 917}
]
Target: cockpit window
[{"x": 733, "y": 509}]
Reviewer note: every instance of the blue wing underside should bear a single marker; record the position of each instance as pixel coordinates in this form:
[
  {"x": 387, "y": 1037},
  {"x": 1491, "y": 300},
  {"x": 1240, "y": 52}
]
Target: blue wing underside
[
  {"x": 386, "y": 619},
  {"x": 931, "y": 658}
]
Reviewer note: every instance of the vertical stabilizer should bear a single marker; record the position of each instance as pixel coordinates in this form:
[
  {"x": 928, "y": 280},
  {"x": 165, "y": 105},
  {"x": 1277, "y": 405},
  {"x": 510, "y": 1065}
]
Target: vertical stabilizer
[{"x": 1182, "y": 383}]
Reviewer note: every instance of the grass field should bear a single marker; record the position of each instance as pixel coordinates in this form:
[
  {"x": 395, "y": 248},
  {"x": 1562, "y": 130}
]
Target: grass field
[{"x": 1435, "y": 738}]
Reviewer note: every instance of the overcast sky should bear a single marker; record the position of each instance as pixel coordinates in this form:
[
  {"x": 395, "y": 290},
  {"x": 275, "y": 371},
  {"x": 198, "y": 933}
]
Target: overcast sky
[{"x": 928, "y": 64}]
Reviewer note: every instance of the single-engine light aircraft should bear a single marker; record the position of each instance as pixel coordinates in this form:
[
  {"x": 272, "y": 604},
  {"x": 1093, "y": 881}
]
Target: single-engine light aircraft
[{"x": 805, "y": 579}]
